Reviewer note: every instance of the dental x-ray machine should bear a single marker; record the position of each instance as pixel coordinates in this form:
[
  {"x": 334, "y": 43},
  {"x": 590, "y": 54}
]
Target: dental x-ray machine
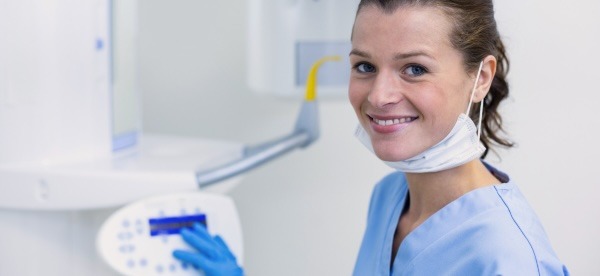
[{"x": 71, "y": 141}]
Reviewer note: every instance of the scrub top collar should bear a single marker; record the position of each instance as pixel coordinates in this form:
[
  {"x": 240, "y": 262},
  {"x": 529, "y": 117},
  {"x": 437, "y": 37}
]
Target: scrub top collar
[{"x": 469, "y": 205}]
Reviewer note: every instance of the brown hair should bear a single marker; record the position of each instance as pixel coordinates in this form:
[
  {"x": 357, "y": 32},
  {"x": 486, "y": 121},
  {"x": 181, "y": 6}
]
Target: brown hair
[{"x": 476, "y": 36}]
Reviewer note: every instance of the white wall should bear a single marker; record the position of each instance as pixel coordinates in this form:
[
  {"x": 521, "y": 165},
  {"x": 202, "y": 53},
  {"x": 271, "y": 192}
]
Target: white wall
[
  {"x": 554, "y": 48},
  {"x": 305, "y": 214}
]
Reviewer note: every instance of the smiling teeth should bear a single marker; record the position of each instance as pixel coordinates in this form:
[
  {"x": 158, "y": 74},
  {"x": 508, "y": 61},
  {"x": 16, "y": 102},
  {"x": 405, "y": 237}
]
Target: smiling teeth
[{"x": 392, "y": 122}]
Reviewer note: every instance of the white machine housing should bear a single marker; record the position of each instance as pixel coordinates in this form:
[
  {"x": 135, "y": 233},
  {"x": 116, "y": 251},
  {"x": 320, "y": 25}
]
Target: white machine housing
[
  {"x": 286, "y": 37},
  {"x": 69, "y": 112},
  {"x": 55, "y": 99},
  {"x": 71, "y": 148}
]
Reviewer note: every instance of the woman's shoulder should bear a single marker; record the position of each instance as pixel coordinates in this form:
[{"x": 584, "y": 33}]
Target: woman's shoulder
[
  {"x": 505, "y": 247},
  {"x": 525, "y": 223},
  {"x": 491, "y": 243}
]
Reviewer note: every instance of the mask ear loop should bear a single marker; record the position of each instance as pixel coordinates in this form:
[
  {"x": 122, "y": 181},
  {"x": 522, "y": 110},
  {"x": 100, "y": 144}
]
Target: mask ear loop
[
  {"x": 480, "y": 118},
  {"x": 471, "y": 101}
]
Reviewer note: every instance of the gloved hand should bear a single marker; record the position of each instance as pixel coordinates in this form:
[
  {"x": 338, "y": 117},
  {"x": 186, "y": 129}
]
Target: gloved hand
[{"x": 213, "y": 256}]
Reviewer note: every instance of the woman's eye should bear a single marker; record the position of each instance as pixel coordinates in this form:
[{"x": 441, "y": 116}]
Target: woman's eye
[
  {"x": 415, "y": 70},
  {"x": 365, "y": 68}
]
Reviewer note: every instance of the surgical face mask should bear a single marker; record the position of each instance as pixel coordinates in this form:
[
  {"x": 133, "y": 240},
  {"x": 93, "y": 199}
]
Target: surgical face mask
[{"x": 460, "y": 146}]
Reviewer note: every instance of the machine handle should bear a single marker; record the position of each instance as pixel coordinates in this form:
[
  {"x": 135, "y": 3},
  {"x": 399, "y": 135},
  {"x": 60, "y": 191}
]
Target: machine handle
[
  {"x": 305, "y": 133},
  {"x": 252, "y": 160}
]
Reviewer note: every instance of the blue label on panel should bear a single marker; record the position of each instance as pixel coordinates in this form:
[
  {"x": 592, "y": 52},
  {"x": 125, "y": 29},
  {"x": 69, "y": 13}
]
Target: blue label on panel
[{"x": 173, "y": 225}]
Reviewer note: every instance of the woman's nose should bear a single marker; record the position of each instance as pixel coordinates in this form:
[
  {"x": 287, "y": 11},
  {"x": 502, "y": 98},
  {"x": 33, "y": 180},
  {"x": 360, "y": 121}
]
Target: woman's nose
[{"x": 385, "y": 91}]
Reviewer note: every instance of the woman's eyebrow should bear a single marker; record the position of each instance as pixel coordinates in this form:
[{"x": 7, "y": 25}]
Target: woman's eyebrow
[
  {"x": 359, "y": 53},
  {"x": 412, "y": 54},
  {"x": 398, "y": 56}
]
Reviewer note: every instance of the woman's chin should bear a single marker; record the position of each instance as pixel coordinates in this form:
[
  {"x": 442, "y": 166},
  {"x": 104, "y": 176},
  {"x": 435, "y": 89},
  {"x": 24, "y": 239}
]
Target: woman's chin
[{"x": 388, "y": 156}]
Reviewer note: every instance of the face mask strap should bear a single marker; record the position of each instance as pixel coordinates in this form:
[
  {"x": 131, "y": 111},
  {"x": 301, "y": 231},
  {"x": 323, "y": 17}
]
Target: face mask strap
[
  {"x": 474, "y": 86},
  {"x": 471, "y": 100},
  {"x": 480, "y": 118}
]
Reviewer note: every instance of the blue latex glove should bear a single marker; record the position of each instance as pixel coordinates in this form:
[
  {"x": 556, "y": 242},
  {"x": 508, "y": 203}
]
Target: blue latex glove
[{"x": 213, "y": 256}]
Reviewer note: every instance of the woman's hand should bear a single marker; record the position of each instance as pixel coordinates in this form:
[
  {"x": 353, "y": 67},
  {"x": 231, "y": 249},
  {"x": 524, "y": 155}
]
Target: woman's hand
[{"x": 213, "y": 256}]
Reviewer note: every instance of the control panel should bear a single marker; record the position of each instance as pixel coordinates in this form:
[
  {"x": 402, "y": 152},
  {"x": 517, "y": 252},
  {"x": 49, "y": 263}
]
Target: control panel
[{"x": 139, "y": 238}]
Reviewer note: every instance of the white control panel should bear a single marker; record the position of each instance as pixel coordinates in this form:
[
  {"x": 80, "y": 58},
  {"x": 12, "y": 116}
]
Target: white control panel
[{"x": 139, "y": 238}]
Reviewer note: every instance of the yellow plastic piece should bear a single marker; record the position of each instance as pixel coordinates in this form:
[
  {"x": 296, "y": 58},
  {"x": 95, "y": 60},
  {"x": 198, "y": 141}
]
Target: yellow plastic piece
[{"x": 311, "y": 81}]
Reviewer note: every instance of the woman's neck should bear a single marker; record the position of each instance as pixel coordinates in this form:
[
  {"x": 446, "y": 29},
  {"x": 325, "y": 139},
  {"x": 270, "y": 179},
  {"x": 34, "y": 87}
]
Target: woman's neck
[{"x": 430, "y": 192}]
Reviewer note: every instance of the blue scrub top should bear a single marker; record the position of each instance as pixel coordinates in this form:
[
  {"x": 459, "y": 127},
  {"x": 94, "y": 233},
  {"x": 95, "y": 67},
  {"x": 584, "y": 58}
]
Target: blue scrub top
[{"x": 488, "y": 231}]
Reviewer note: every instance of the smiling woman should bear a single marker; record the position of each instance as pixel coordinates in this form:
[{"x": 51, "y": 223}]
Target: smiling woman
[{"x": 417, "y": 67}]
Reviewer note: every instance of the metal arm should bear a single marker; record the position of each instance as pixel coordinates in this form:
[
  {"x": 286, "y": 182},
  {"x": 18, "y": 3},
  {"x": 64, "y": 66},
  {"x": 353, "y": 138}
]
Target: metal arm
[{"x": 305, "y": 132}]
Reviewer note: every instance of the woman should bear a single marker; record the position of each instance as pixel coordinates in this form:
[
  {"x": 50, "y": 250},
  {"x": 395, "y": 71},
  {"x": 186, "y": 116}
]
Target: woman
[{"x": 418, "y": 66}]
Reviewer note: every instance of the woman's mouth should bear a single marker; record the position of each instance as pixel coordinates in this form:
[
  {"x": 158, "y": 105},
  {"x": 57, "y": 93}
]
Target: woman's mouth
[
  {"x": 391, "y": 124},
  {"x": 397, "y": 121}
]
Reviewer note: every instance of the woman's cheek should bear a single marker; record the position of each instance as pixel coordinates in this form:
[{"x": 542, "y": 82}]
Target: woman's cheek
[{"x": 356, "y": 96}]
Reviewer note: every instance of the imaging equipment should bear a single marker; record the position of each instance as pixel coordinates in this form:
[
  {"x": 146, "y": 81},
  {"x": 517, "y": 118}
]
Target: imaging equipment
[
  {"x": 72, "y": 147},
  {"x": 138, "y": 238}
]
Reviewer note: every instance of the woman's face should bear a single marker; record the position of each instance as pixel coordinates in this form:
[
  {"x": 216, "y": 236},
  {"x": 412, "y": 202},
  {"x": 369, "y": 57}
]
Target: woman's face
[{"x": 408, "y": 84}]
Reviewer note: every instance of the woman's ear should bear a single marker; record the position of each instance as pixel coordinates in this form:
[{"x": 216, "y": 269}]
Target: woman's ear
[{"x": 488, "y": 71}]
